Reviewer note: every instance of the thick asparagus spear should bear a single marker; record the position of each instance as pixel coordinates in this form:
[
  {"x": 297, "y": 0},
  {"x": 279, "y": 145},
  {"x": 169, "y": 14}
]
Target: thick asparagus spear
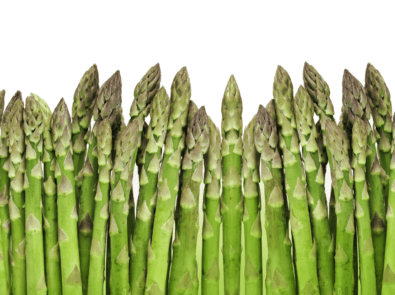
[
  {"x": 183, "y": 272},
  {"x": 342, "y": 183},
  {"x": 168, "y": 185},
  {"x": 16, "y": 171},
  {"x": 51, "y": 254},
  {"x": 67, "y": 207},
  {"x": 365, "y": 242},
  {"x": 295, "y": 183},
  {"x": 280, "y": 275},
  {"x": 232, "y": 203},
  {"x": 389, "y": 261},
  {"x": 37, "y": 116},
  {"x": 304, "y": 115},
  {"x": 212, "y": 213},
  {"x": 155, "y": 137},
  {"x": 252, "y": 213},
  {"x": 355, "y": 105}
]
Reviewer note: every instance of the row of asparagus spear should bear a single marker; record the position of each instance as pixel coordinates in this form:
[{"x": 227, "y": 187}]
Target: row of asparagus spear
[{"x": 69, "y": 224}]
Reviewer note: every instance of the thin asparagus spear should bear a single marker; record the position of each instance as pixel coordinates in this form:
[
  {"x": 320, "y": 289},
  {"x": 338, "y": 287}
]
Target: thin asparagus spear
[
  {"x": 155, "y": 137},
  {"x": 252, "y": 213},
  {"x": 67, "y": 207},
  {"x": 37, "y": 117},
  {"x": 342, "y": 184},
  {"x": 304, "y": 115},
  {"x": 16, "y": 171},
  {"x": 365, "y": 242},
  {"x": 183, "y": 273},
  {"x": 51, "y": 254},
  {"x": 168, "y": 186},
  {"x": 232, "y": 203},
  {"x": 212, "y": 214},
  {"x": 3, "y": 277},
  {"x": 295, "y": 183},
  {"x": 280, "y": 274}
]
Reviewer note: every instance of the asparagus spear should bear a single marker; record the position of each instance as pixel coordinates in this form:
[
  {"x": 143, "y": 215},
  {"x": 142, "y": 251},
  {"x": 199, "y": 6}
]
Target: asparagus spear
[
  {"x": 379, "y": 99},
  {"x": 251, "y": 215},
  {"x": 355, "y": 105},
  {"x": 37, "y": 117},
  {"x": 232, "y": 203},
  {"x": 16, "y": 170},
  {"x": 304, "y": 115},
  {"x": 365, "y": 242},
  {"x": 155, "y": 137},
  {"x": 342, "y": 184},
  {"x": 295, "y": 183},
  {"x": 3, "y": 277},
  {"x": 51, "y": 254},
  {"x": 168, "y": 185},
  {"x": 67, "y": 207},
  {"x": 183, "y": 273},
  {"x": 280, "y": 276},
  {"x": 212, "y": 213},
  {"x": 389, "y": 261}
]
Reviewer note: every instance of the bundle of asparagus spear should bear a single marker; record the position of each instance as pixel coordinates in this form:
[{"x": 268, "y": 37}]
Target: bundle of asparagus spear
[{"x": 70, "y": 223}]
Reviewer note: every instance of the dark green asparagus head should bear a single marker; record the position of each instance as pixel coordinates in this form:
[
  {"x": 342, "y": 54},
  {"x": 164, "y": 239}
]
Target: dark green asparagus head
[
  {"x": 265, "y": 134},
  {"x": 250, "y": 171},
  {"x": 214, "y": 151},
  {"x": 145, "y": 91},
  {"x": 323, "y": 157},
  {"x": 271, "y": 108},
  {"x": 6, "y": 114},
  {"x": 104, "y": 143},
  {"x": 179, "y": 99},
  {"x": 197, "y": 136},
  {"x": 84, "y": 100},
  {"x": 359, "y": 143},
  {"x": 159, "y": 113},
  {"x": 2, "y": 96},
  {"x": 193, "y": 108},
  {"x": 318, "y": 90},
  {"x": 16, "y": 134},
  {"x": 61, "y": 129},
  {"x": 232, "y": 109}
]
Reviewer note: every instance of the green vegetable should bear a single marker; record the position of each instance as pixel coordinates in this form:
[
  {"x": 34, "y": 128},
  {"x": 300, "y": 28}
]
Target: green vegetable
[
  {"x": 183, "y": 272},
  {"x": 67, "y": 207},
  {"x": 168, "y": 186}
]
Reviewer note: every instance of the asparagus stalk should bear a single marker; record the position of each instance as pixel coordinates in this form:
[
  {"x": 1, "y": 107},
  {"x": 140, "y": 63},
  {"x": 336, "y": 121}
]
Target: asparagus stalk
[
  {"x": 280, "y": 275},
  {"x": 389, "y": 261},
  {"x": 37, "y": 117},
  {"x": 3, "y": 277},
  {"x": 67, "y": 207},
  {"x": 379, "y": 99},
  {"x": 304, "y": 115},
  {"x": 168, "y": 185},
  {"x": 51, "y": 254},
  {"x": 365, "y": 242},
  {"x": 98, "y": 248},
  {"x": 232, "y": 203},
  {"x": 183, "y": 273},
  {"x": 251, "y": 215},
  {"x": 355, "y": 105},
  {"x": 155, "y": 137},
  {"x": 295, "y": 183},
  {"x": 342, "y": 184},
  {"x": 16, "y": 171},
  {"x": 212, "y": 213}
]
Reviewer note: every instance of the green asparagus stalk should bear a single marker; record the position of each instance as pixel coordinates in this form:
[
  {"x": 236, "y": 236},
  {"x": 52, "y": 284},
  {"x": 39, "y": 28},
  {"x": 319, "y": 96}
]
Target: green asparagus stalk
[
  {"x": 389, "y": 261},
  {"x": 365, "y": 242},
  {"x": 183, "y": 273},
  {"x": 355, "y": 105},
  {"x": 295, "y": 183},
  {"x": 84, "y": 100},
  {"x": 232, "y": 203},
  {"x": 252, "y": 213},
  {"x": 379, "y": 99},
  {"x": 108, "y": 105},
  {"x": 16, "y": 171},
  {"x": 3, "y": 277},
  {"x": 51, "y": 254},
  {"x": 97, "y": 255},
  {"x": 37, "y": 117},
  {"x": 67, "y": 207},
  {"x": 280, "y": 274},
  {"x": 168, "y": 186},
  {"x": 155, "y": 137},
  {"x": 304, "y": 115},
  {"x": 212, "y": 213},
  {"x": 342, "y": 183}
]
